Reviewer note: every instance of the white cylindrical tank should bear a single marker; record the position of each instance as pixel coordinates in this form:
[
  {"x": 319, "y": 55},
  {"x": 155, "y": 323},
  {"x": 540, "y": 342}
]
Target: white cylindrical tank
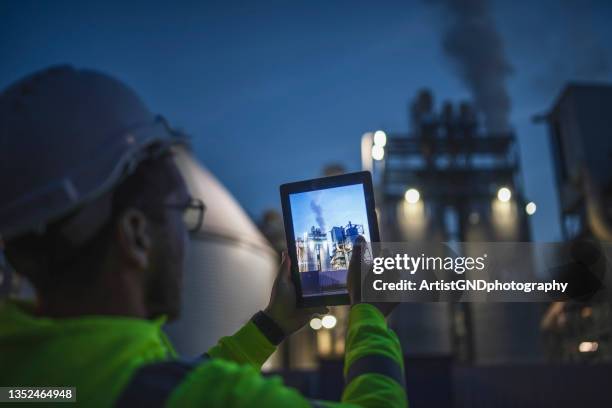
[{"x": 229, "y": 271}]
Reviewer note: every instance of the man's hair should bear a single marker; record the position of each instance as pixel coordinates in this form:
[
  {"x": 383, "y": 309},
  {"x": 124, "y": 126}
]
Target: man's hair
[{"x": 37, "y": 256}]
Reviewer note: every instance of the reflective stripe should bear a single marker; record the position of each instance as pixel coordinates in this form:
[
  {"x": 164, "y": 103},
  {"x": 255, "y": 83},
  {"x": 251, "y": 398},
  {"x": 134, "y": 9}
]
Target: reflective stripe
[
  {"x": 376, "y": 364},
  {"x": 152, "y": 384}
]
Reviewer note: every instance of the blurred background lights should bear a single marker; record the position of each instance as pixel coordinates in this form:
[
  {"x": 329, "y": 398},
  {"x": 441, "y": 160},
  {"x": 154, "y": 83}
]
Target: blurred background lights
[
  {"x": 316, "y": 323},
  {"x": 530, "y": 208},
  {"x": 378, "y": 152},
  {"x": 328, "y": 321},
  {"x": 380, "y": 138},
  {"x": 504, "y": 194},
  {"x": 412, "y": 195},
  {"x": 588, "y": 346}
]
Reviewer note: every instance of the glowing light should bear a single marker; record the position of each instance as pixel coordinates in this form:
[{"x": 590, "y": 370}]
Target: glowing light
[
  {"x": 378, "y": 152},
  {"x": 380, "y": 138},
  {"x": 315, "y": 323},
  {"x": 324, "y": 342},
  {"x": 412, "y": 196},
  {"x": 411, "y": 219},
  {"x": 588, "y": 346},
  {"x": 504, "y": 194},
  {"x": 530, "y": 208},
  {"x": 328, "y": 321}
]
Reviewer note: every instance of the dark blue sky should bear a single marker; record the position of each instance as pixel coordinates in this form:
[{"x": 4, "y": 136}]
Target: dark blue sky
[{"x": 272, "y": 91}]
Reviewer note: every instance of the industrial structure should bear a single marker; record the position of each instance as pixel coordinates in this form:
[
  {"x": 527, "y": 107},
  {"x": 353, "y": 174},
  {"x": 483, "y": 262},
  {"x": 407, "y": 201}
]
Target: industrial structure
[
  {"x": 315, "y": 252},
  {"x": 458, "y": 169},
  {"x": 323, "y": 257},
  {"x": 343, "y": 239},
  {"x": 580, "y": 123},
  {"x": 449, "y": 180}
]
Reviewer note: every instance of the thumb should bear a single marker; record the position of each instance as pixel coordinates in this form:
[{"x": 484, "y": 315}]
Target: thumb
[
  {"x": 357, "y": 252},
  {"x": 354, "y": 272},
  {"x": 285, "y": 266}
]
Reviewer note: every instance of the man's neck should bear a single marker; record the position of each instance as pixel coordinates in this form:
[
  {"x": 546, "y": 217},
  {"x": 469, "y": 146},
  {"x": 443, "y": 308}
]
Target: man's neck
[{"x": 103, "y": 300}]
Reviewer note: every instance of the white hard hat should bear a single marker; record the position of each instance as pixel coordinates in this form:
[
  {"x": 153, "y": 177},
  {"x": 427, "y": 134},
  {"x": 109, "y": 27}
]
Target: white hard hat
[{"x": 67, "y": 137}]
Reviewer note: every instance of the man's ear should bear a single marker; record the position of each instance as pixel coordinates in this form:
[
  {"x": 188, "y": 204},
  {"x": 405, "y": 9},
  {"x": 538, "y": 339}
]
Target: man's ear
[{"x": 134, "y": 238}]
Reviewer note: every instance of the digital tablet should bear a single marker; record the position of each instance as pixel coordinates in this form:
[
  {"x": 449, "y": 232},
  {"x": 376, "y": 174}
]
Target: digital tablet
[{"x": 323, "y": 217}]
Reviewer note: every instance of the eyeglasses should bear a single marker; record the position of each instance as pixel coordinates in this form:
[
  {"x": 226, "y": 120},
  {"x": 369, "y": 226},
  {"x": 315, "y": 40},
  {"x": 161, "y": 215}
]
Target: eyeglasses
[{"x": 193, "y": 213}]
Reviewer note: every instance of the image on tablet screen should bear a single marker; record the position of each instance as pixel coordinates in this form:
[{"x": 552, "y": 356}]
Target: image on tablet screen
[{"x": 325, "y": 225}]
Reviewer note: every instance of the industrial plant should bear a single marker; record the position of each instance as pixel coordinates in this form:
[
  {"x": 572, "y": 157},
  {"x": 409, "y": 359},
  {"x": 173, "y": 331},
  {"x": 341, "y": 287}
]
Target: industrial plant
[
  {"x": 579, "y": 124},
  {"x": 450, "y": 179},
  {"x": 324, "y": 256}
]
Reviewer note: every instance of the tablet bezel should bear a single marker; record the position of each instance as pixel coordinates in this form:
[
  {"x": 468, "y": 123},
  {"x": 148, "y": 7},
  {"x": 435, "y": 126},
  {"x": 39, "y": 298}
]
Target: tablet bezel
[{"x": 362, "y": 177}]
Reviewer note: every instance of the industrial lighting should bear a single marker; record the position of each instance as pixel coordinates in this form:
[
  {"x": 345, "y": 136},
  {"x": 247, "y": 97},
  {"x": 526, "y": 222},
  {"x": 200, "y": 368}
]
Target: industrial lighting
[
  {"x": 504, "y": 194},
  {"x": 378, "y": 152},
  {"x": 530, "y": 208},
  {"x": 412, "y": 196},
  {"x": 380, "y": 138},
  {"x": 315, "y": 323},
  {"x": 588, "y": 346},
  {"x": 328, "y": 321}
]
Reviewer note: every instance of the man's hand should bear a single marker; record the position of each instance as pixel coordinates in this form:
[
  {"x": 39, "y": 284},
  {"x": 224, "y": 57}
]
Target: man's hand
[
  {"x": 354, "y": 278},
  {"x": 282, "y": 307}
]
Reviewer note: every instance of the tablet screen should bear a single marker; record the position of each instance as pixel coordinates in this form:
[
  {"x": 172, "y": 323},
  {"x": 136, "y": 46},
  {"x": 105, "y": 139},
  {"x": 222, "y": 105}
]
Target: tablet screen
[{"x": 326, "y": 223}]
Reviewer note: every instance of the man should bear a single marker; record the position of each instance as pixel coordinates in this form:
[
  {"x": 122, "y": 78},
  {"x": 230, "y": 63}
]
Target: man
[{"x": 92, "y": 213}]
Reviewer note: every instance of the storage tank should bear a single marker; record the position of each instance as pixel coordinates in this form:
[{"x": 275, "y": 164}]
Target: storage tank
[{"x": 229, "y": 270}]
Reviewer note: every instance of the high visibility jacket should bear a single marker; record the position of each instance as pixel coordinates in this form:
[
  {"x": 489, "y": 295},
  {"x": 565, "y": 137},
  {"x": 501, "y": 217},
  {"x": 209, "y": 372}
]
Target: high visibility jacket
[{"x": 100, "y": 355}]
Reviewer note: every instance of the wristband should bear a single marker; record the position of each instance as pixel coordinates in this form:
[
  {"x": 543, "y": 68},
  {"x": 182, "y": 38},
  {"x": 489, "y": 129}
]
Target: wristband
[{"x": 268, "y": 328}]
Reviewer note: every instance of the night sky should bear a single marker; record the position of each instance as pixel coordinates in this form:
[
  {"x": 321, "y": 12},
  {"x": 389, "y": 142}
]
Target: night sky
[{"x": 273, "y": 91}]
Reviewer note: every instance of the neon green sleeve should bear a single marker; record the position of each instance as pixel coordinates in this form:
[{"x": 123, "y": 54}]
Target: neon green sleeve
[
  {"x": 221, "y": 383},
  {"x": 373, "y": 369},
  {"x": 247, "y": 346},
  {"x": 373, "y": 364}
]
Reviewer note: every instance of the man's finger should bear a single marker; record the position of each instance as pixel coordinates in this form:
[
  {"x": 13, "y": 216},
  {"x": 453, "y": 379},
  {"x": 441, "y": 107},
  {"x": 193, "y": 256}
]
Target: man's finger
[
  {"x": 357, "y": 253},
  {"x": 285, "y": 266},
  {"x": 354, "y": 273}
]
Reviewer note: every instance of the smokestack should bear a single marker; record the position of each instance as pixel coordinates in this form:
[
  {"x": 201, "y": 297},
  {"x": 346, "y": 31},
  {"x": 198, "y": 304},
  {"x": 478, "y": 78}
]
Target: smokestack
[
  {"x": 319, "y": 213},
  {"x": 471, "y": 41}
]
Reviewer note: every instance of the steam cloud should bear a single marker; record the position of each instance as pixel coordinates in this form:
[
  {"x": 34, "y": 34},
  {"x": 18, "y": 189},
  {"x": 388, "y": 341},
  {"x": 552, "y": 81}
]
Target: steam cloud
[
  {"x": 472, "y": 42},
  {"x": 318, "y": 210}
]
